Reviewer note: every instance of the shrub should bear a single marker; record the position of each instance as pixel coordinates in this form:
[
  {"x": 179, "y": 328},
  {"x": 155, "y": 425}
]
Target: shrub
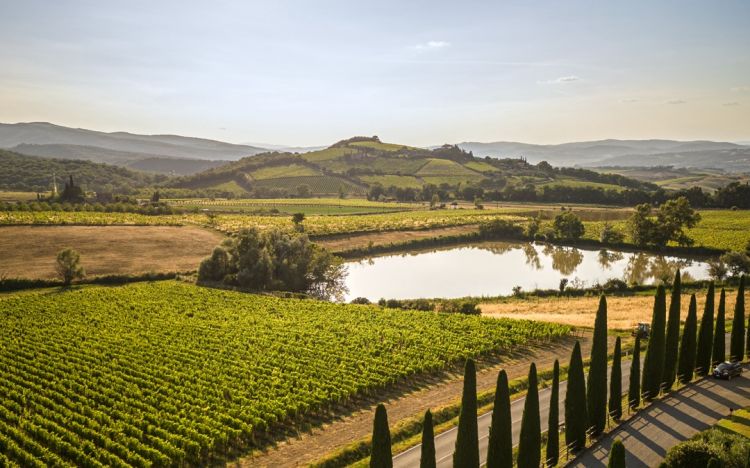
[
  {"x": 610, "y": 235},
  {"x": 360, "y": 300},
  {"x": 69, "y": 266},
  {"x": 731, "y": 450},
  {"x": 500, "y": 228}
]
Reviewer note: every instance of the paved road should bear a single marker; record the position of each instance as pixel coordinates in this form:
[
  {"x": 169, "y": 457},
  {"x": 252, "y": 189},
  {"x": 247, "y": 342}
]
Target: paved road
[
  {"x": 649, "y": 435},
  {"x": 446, "y": 441}
]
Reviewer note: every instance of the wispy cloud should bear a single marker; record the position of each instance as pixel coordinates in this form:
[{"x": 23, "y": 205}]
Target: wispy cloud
[
  {"x": 432, "y": 45},
  {"x": 731, "y": 104},
  {"x": 562, "y": 79},
  {"x": 675, "y": 101},
  {"x": 740, "y": 89}
]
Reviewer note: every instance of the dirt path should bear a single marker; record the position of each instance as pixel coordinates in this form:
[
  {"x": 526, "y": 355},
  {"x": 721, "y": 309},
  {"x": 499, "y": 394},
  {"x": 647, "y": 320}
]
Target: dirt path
[
  {"x": 308, "y": 447},
  {"x": 339, "y": 243}
]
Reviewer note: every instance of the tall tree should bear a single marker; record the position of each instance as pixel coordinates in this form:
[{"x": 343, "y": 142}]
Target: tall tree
[
  {"x": 596, "y": 399},
  {"x": 616, "y": 455},
  {"x": 705, "y": 335},
  {"x": 427, "y": 459},
  {"x": 672, "y": 340},
  {"x": 575, "y": 402},
  {"x": 530, "y": 440},
  {"x": 467, "y": 440},
  {"x": 737, "y": 340},
  {"x": 615, "y": 383},
  {"x": 686, "y": 363},
  {"x": 553, "y": 420},
  {"x": 634, "y": 389},
  {"x": 381, "y": 440},
  {"x": 653, "y": 365},
  {"x": 500, "y": 445},
  {"x": 719, "y": 353}
]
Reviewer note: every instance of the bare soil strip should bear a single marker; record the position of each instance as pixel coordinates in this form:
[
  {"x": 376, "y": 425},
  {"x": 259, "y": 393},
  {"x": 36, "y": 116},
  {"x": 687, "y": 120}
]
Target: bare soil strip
[
  {"x": 30, "y": 251},
  {"x": 356, "y": 241},
  {"x": 309, "y": 446}
]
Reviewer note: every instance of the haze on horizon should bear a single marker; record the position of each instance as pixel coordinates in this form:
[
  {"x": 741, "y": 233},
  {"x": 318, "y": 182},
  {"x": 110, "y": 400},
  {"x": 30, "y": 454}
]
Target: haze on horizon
[{"x": 422, "y": 72}]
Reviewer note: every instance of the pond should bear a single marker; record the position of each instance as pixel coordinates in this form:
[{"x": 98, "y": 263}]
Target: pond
[{"x": 495, "y": 268}]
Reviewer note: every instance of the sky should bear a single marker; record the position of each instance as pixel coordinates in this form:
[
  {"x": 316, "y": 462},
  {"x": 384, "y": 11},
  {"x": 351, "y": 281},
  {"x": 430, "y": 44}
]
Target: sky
[{"x": 412, "y": 72}]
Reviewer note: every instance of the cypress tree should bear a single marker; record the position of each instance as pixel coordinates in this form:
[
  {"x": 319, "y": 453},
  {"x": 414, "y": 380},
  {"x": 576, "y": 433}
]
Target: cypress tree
[
  {"x": 381, "y": 440},
  {"x": 686, "y": 363},
  {"x": 596, "y": 398},
  {"x": 616, "y": 455},
  {"x": 653, "y": 365},
  {"x": 672, "y": 340},
  {"x": 634, "y": 389},
  {"x": 500, "y": 445},
  {"x": 615, "y": 383},
  {"x": 466, "y": 454},
  {"x": 705, "y": 335},
  {"x": 575, "y": 402},
  {"x": 530, "y": 440},
  {"x": 427, "y": 459},
  {"x": 553, "y": 421},
  {"x": 738, "y": 324},
  {"x": 719, "y": 353}
]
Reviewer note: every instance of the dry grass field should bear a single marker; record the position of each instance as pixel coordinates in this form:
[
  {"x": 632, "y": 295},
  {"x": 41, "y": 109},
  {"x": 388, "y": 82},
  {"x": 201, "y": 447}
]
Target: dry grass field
[
  {"x": 30, "y": 251},
  {"x": 622, "y": 312}
]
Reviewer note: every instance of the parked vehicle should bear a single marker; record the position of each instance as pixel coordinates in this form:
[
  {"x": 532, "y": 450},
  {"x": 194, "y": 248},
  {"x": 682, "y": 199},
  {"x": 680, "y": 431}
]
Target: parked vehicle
[
  {"x": 643, "y": 330},
  {"x": 727, "y": 370}
]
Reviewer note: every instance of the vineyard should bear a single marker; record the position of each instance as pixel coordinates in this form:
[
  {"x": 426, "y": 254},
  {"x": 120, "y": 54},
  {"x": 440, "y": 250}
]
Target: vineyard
[{"x": 169, "y": 373}]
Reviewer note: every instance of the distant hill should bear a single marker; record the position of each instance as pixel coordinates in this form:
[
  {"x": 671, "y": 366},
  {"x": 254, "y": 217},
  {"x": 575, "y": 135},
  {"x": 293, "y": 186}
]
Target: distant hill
[
  {"x": 42, "y": 133},
  {"x": 360, "y": 163},
  {"x": 19, "y": 172},
  {"x": 619, "y": 152},
  {"x": 139, "y": 161}
]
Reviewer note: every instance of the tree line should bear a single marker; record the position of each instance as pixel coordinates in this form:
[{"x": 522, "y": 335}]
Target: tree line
[{"x": 587, "y": 407}]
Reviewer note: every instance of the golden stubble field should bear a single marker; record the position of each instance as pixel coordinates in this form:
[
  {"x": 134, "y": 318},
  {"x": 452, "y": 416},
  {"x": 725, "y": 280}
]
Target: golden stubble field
[
  {"x": 30, "y": 251},
  {"x": 623, "y": 312}
]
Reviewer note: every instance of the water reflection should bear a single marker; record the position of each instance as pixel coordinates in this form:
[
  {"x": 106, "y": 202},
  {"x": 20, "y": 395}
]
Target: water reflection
[{"x": 494, "y": 268}]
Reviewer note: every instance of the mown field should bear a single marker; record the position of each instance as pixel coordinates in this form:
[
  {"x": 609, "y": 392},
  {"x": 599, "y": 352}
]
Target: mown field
[
  {"x": 308, "y": 206},
  {"x": 167, "y": 373}
]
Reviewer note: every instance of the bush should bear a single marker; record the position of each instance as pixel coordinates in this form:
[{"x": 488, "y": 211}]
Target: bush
[
  {"x": 610, "y": 235},
  {"x": 69, "y": 266},
  {"x": 568, "y": 226},
  {"x": 500, "y": 228},
  {"x": 731, "y": 450},
  {"x": 360, "y": 300}
]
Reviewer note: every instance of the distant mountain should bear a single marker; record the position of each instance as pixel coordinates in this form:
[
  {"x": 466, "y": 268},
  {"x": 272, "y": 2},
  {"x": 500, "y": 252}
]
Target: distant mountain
[
  {"x": 607, "y": 152},
  {"x": 42, "y": 133},
  {"x": 286, "y": 148},
  {"x": 735, "y": 159}
]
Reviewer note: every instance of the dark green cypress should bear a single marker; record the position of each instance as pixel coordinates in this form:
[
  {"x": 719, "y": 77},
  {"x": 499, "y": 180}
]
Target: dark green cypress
[
  {"x": 672, "y": 340},
  {"x": 553, "y": 421},
  {"x": 575, "y": 402},
  {"x": 738, "y": 325},
  {"x": 634, "y": 389},
  {"x": 500, "y": 444},
  {"x": 686, "y": 363},
  {"x": 530, "y": 440},
  {"x": 705, "y": 335},
  {"x": 616, "y": 455},
  {"x": 596, "y": 399},
  {"x": 653, "y": 365},
  {"x": 381, "y": 440},
  {"x": 427, "y": 459},
  {"x": 466, "y": 454},
  {"x": 719, "y": 353},
  {"x": 615, "y": 383}
]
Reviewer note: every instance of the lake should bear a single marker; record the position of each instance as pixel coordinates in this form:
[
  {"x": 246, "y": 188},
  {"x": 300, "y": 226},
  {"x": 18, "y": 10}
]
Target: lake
[{"x": 495, "y": 268}]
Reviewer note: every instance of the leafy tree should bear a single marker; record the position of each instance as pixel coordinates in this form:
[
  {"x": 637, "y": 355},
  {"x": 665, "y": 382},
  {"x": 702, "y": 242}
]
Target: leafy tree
[
  {"x": 553, "y": 419},
  {"x": 69, "y": 266},
  {"x": 466, "y": 453},
  {"x": 686, "y": 364},
  {"x": 634, "y": 388},
  {"x": 706, "y": 335},
  {"x": 738, "y": 325},
  {"x": 737, "y": 263},
  {"x": 530, "y": 441},
  {"x": 155, "y": 197},
  {"x": 427, "y": 459},
  {"x": 610, "y": 235},
  {"x": 381, "y": 456},
  {"x": 616, "y": 455},
  {"x": 673, "y": 334},
  {"x": 72, "y": 193},
  {"x": 303, "y": 191},
  {"x": 615, "y": 383},
  {"x": 672, "y": 217},
  {"x": 596, "y": 399},
  {"x": 653, "y": 365},
  {"x": 718, "y": 353},
  {"x": 297, "y": 218},
  {"x": 500, "y": 444},
  {"x": 568, "y": 226},
  {"x": 575, "y": 402}
]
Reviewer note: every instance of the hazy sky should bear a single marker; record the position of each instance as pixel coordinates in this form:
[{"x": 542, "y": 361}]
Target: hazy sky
[{"x": 415, "y": 72}]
